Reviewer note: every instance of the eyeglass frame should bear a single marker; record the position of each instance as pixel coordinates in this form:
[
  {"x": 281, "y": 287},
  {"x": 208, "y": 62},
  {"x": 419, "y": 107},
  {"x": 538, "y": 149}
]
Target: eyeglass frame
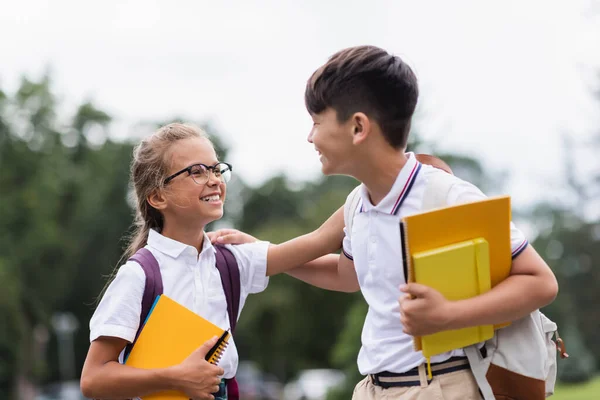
[{"x": 210, "y": 169}]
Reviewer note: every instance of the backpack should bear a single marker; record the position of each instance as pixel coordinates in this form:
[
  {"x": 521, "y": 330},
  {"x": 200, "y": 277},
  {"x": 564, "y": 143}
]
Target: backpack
[
  {"x": 230, "y": 279},
  {"x": 520, "y": 360}
]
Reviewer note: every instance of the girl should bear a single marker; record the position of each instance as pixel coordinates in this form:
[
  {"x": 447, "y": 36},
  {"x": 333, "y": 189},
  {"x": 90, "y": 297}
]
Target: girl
[{"x": 180, "y": 187}]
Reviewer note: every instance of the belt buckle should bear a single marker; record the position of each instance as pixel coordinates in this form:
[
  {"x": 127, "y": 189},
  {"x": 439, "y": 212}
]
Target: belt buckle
[
  {"x": 377, "y": 382},
  {"x": 375, "y": 379}
]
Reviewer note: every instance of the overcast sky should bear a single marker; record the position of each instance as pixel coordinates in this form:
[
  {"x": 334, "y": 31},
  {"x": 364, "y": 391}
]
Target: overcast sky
[{"x": 501, "y": 80}]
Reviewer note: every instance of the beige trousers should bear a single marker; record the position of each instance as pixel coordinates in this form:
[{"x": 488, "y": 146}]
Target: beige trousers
[{"x": 458, "y": 385}]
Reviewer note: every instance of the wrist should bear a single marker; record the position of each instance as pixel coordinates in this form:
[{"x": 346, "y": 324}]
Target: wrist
[
  {"x": 455, "y": 313},
  {"x": 169, "y": 377}
]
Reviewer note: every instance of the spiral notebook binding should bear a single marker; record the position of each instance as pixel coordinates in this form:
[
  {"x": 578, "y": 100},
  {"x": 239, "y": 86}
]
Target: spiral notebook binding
[{"x": 216, "y": 352}]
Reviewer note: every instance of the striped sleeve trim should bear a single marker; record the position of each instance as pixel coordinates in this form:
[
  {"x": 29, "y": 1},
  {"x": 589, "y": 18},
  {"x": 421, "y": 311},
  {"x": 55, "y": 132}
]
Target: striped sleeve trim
[
  {"x": 519, "y": 249},
  {"x": 347, "y": 255}
]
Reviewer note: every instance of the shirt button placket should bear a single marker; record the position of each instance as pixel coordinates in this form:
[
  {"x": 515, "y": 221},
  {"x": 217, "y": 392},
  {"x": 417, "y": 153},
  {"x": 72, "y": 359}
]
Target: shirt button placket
[{"x": 199, "y": 288}]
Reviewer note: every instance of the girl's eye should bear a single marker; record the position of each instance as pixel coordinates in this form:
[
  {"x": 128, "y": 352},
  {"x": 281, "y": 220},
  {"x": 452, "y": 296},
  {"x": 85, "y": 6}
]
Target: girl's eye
[{"x": 199, "y": 170}]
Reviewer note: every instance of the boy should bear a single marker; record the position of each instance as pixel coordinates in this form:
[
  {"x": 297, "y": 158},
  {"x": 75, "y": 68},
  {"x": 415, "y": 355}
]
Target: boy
[{"x": 362, "y": 102}]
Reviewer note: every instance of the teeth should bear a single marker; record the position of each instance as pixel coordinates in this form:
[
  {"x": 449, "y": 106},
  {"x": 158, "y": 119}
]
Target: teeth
[{"x": 214, "y": 197}]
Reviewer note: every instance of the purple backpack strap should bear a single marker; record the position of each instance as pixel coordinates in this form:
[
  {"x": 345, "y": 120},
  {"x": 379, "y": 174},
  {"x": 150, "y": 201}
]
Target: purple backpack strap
[
  {"x": 153, "y": 288},
  {"x": 230, "y": 278}
]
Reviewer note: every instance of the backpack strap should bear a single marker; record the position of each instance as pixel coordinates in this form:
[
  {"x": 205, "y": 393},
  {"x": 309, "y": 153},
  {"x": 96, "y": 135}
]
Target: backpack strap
[
  {"x": 230, "y": 278},
  {"x": 437, "y": 190},
  {"x": 479, "y": 369},
  {"x": 153, "y": 288},
  {"x": 350, "y": 206}
]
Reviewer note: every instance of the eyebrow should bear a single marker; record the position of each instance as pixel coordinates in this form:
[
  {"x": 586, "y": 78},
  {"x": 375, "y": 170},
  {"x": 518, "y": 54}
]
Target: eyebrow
[{"x": 203, "y": 163}]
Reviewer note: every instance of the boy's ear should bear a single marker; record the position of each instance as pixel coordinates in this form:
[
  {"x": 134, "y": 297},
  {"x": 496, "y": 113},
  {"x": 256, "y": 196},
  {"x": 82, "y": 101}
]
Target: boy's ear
[
  {"x": 361, "y": 126},
  {"x": 157, "y": 199}
]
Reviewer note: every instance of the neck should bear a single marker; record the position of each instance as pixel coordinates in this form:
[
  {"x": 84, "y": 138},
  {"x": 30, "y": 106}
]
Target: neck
[
  {"x": 192, "y": 235},
  {"x": 379, "y": 172}
]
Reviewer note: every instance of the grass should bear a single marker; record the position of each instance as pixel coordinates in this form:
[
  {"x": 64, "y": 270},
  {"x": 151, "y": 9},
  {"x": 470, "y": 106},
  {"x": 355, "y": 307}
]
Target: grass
[{"x": 585, "y": 391}]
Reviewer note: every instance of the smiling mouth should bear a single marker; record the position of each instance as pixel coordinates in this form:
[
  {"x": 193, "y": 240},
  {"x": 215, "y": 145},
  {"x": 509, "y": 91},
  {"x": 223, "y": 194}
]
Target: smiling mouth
[{"x": 212, "y": 197}]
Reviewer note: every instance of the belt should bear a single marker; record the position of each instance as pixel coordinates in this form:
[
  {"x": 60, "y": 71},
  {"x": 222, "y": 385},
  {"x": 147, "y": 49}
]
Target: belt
[{"x": 411, "y": 378}]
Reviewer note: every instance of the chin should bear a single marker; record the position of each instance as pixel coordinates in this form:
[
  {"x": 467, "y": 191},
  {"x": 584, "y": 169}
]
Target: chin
[
  {"x": 218, "y": 215},
  {"x": 326, "y": 169},
  {"x": 329, "y": 170}
]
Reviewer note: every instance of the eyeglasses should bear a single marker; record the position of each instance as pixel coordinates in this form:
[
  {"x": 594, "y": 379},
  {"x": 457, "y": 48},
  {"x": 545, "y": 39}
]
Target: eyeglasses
[{"x": 200, "y": 173}]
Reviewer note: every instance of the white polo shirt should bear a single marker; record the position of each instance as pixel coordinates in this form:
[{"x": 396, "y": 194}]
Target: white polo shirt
[
  {"x": 189, "y": 278},
  {"x": 374, "y": 245}
]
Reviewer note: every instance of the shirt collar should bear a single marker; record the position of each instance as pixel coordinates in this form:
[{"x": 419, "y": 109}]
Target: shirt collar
[
  {"x": 172, "y": 247},
  {"x": 400, "y": 189}
]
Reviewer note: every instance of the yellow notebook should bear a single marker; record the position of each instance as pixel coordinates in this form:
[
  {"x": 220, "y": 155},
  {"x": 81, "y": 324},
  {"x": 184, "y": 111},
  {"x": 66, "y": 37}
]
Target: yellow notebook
[
  {"x": 465, "y": 273},
  {"x": 446, "y": 249},
  {"x": 171, "y": 333}
]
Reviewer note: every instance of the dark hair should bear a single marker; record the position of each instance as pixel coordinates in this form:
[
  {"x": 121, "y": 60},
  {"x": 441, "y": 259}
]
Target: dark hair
[{"x": 370, "y": 80}]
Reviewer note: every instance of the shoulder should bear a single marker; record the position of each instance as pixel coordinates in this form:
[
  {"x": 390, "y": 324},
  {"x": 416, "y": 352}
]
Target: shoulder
[
  {"x": 458, "y": 190},
  {"x": 248, "y": 251},
  {"x": 131, "y": 271}
]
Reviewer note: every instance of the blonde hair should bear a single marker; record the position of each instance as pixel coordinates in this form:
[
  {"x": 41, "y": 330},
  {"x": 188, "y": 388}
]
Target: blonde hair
[{"x": 148, "y": 171}]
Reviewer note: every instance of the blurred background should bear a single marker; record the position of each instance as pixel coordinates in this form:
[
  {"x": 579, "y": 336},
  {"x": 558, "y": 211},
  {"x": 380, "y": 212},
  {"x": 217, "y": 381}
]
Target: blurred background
[{"x": 510, "y": 98}]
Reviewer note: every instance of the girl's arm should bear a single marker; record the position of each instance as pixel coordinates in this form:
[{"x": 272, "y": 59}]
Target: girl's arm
[{"x": 103, "y": 377}]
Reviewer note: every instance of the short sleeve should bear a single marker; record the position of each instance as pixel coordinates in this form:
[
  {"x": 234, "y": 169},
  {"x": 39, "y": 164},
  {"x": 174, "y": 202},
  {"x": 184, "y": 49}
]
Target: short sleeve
[
  {"x": 252, "y": 262},
  {"x": 465, "y": 192},
  {"x": 347, "y": 244},
  {"x": 118, "y": 313}
]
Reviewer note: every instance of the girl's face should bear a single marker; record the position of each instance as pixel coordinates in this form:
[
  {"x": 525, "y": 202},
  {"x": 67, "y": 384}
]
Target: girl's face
[{"x": 196, "y": 197}]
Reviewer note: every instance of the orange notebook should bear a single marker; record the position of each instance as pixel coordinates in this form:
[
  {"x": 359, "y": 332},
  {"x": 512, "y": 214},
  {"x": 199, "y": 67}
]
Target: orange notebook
[
  {"x": 171, "y": 333},
  {"x": 462, "y": 251}
]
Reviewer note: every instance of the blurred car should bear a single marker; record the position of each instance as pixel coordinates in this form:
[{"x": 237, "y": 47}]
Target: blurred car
[
  {"x": 256, "y": 385},
  {"x": 313, "y": 384},
  {"x": 68, "y": 390}
]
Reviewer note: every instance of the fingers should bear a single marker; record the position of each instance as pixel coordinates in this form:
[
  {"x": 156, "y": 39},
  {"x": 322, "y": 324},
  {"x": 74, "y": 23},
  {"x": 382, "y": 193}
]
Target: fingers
[
  {"x": 213, "y": 236},
  {"x": 231, "y": 238},
  {"x": 205, "y": 397},
  {"x": 236, "y": 238},
  {"x": 205, "y": 348},
  {"x": 414, "y": 289}
]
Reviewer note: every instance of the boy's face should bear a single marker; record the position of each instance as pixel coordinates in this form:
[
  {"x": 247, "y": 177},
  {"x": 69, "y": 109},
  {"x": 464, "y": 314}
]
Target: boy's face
[{"x": 333, "y": 142}]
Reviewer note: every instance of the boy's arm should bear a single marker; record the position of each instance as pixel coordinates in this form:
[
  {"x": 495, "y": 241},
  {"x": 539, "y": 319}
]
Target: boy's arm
[
  {"x": 298, "y": 251},
  {"x": 530, "y": 285},
  {"x": 306, "y": 257},
  {"x": 331, "y": 272}
]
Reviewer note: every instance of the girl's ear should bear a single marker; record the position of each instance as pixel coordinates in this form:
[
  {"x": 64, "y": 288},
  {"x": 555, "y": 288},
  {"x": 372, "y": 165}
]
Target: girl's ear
[{"x": 157, "y": 199}]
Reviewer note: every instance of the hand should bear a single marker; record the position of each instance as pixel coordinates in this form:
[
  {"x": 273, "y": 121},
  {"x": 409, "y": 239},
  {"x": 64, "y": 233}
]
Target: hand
[
  {"x": 195, "y": 376},
  {"x": 230, "y": 236},
  {"x": 424, "y": 310}
]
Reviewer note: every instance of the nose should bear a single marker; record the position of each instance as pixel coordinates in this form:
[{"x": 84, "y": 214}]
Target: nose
[
  {"x": 212, "y": 179},
  {"x": 310, "y": 136}
]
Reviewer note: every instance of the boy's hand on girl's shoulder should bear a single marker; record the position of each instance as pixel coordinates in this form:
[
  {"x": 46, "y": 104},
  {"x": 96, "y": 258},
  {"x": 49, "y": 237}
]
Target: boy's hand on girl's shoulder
[
  {"x": 230, "y": 236},
  {"x": 424, "y": 310}
]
